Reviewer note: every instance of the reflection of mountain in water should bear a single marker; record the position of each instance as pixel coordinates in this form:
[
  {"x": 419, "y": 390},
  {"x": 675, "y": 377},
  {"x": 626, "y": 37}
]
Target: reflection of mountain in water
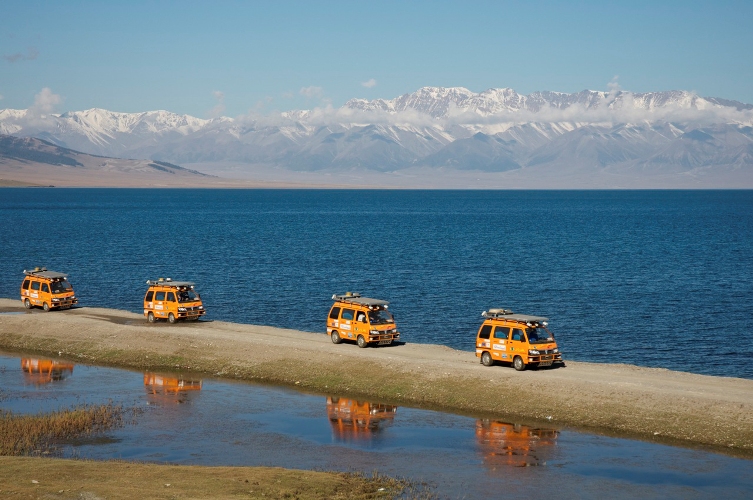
[
  {"x": 503, "y": 444},
  {"x": 44, "y": 371},
  {"x": 169, "y": 388},
  {"x": 353, "y": 420}
]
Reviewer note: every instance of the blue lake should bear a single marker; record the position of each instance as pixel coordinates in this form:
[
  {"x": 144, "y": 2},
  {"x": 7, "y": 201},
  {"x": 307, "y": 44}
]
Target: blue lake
[
  {"x": 653, "y": 278},
  {"x": 184, "y": 419}
]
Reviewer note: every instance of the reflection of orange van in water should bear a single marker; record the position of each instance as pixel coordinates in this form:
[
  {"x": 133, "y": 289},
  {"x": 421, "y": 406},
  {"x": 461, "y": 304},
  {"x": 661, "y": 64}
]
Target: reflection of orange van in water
[
  {"x": 43, "y": 371},
  {"x": 47, "y": 289},
  {"x": 365, "y": 320},
  {"x": 516, "y": 445},
  {"x": 170, "y": 387},
  {"x": 516, "y": 338},
  {"x": 358, "y": 419},
  {"x": 172, "y": 300}
]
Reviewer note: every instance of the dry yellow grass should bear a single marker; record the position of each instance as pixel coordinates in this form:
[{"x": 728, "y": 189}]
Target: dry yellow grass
[
  {"x": 34, "y": 477},
  {"x": 36, "y": 434}
]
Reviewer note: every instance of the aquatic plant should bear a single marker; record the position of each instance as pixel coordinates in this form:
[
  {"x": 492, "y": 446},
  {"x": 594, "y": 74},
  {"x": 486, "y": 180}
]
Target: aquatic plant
[{"x": 38, "y": 434}]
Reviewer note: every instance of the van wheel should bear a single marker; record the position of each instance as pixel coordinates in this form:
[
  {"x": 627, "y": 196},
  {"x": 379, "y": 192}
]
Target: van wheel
[
  {"x": 46, "y": 307},
  {"x": 150, "y": 317},
  {"x": 362, "y": 342},
  {"x": 171, "y": 318},
  {"x": 336, "y": 338},
  {"x": 518, "y": 364},
  {"x": 486, "y": 359},
  {"x": 27, "y": 303}
]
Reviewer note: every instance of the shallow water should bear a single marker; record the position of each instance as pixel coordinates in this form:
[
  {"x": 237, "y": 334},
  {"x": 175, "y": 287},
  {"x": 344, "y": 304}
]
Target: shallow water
[{"x": 190, "y": 420}]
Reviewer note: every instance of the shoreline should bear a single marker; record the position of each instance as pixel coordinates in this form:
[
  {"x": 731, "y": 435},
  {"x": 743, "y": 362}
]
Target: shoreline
[{"x": 652, "y": 404}]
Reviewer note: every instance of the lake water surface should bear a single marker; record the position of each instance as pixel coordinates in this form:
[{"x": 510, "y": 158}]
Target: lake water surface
[
  {"x": 184, "y": 419},
  {"x": 653, "y": 278}
]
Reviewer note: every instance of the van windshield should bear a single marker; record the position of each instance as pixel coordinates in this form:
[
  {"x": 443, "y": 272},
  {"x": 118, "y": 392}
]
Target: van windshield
[
  {"x": 380, "y": 317},
  {"x": 61, "y": 286},
  {"x": 539, "y": 335},
  {"x": 187, "y": 296}
]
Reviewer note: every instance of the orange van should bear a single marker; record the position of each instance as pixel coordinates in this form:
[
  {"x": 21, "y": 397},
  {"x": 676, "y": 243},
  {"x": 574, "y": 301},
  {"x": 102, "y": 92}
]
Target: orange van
[
  {"x": 172, "y": 300},
  {"x": 48, "y": 289},
  {"x": 516, "y": 338},
  {"x": 365, "y": 320}
]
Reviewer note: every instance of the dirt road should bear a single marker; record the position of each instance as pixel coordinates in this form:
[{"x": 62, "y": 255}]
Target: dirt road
[{"x": 649, "y": 403}]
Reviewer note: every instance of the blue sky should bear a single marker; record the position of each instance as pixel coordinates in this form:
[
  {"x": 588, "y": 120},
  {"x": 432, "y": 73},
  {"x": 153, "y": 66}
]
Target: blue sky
[{"x": 207, "y": 58}]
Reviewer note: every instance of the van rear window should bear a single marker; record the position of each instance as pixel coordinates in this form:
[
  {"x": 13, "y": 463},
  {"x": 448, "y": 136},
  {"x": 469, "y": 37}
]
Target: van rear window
[
  {"x": 334, "y": 313},
  {"x": 485, "y": 331},
  {"x": 149, "y": 296},
  {"x": 25, "y": 286}
]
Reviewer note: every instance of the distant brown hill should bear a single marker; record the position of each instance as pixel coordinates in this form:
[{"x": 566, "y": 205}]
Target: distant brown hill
[{"x": 27, "y": 161}]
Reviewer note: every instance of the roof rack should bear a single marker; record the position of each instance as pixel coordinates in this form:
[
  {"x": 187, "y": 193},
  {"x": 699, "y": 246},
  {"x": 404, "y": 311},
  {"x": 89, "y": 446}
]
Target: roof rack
[
  {"x": 355, "y": 298},
  {"x": 520, "y": 318},
  {"x": 42, "y": 272},
  {"x": 170, "y": 282}
]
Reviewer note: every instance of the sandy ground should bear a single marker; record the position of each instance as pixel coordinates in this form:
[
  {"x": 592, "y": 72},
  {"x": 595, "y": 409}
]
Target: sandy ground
[{"x": 648, "y": 403}]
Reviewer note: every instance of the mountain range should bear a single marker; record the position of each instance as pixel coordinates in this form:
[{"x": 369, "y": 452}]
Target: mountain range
[{"x": 662, "y": 139}]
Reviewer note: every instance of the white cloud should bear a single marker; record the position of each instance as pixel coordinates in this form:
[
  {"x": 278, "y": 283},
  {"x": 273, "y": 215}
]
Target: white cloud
[
  {"x": 369, "y": 83},
  {"x": 219, "y": 108},
  {"x": 38, "y": 114},
  {"x": 45, "y": 102},
  {"x": 312, "y": 91}
]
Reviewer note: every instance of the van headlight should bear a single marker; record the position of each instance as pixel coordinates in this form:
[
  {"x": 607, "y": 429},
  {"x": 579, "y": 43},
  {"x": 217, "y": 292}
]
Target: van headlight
[
  {"x": 182, "y": 309},
  {"x": 373, "y": 332},
  {"x": 533, "y": 352},
  {"x": 556, "y": 350},
  {"x": 56, "y": 300},
  {"x": 201, "y": 307}
]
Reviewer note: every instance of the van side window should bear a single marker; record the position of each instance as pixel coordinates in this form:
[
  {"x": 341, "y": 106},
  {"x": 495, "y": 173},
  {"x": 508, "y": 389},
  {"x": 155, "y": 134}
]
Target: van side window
[
  {"x": 149, "y": 296},
  {"x": 348, "y": 314},
  {"x": 25, "y": 286},
  {"x": 160, "y": 296},
  {"x": 517, "y": 334},
  {"x": 501, "y": 332},
  {"x": 170, "y": 297},
  {"x": 45, "y": 288},
  {"x": 35, "y": 285},
  {"x": 334, "y": 313},
  {"x": 485, "y": 331}
]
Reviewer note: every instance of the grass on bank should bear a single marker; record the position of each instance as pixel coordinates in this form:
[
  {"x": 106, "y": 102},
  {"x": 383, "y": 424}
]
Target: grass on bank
[
  {"x": 39, "y": 434},
  {"x": 66, "y": 479}
]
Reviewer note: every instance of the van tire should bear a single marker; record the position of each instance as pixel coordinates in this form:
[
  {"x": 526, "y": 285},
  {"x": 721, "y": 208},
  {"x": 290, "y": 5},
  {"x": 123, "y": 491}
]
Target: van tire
[
  {"x": 46, "y": 306},
  {"x": 486, "y": 359},
  {"x": 171, "y": 318},
  {"x": 336, "y": 338},
  {"x": 150, "y": 317},
  {"x": 518, "y": 364},
  {"x": 27, "y": 303},
  {"x": 362, "y": 342}
]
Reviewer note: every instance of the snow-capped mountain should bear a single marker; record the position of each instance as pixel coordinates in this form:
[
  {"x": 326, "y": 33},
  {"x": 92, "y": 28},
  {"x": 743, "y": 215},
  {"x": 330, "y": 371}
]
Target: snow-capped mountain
[{"x": 437, "y": 128}]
